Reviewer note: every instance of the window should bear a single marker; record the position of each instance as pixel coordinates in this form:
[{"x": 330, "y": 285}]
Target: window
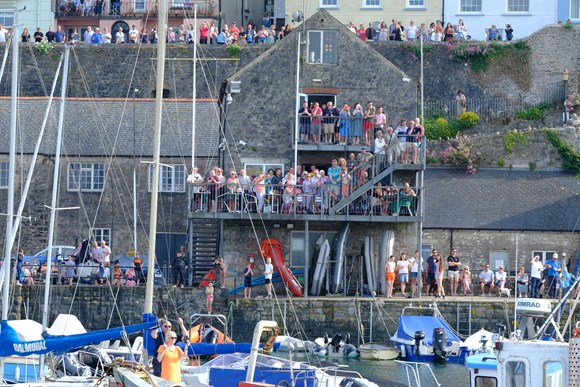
[
  {"x": 323, "y": 47},
  {"x": 252, "y": 169},
  {"x": 101, "y": 234},
  {"x": 4, "y": 174},
  {"x": 544, "y": 255},
  {"x": 485, "y": 381},
  {"x": 518, "y": 6},
  {"x": 171, "y": 178},
  {"x": 328, "y": 3},
  {"x": 415, "y": 3},
  {"x": 86, "y": 177},
  {"x": 553, "y": 373},
  {"x": 574, "y": 9},
  {"x": 470, "y": 6},
  {"x": 7, "y": 18},
  {"x": 371, "y": 3},
  {"x": 140, "y": 5},
  {"x": 515, "y": 373}
]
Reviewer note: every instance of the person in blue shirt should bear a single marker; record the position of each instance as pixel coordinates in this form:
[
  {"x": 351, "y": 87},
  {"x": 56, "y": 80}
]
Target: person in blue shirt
[
  {"x": 334, "y": 180},
  {"x": 222, "y": 37},
  {"x": 59, "y": 35},
  {"x": 554, "y": 270}
]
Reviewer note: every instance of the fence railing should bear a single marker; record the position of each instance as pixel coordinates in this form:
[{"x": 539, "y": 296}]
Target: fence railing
[
  {"x": 126, "y": 8},
  {"x": 305, "y": 198},
  {"x": 496, "y": 107}
]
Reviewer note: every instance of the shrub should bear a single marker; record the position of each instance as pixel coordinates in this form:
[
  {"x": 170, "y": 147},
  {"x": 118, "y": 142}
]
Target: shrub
[
  {"x": 234, "y": 50},
  {"x": 468, "y": 120},
  {"x": 501, "y": 162},
  {"x": 532, "y": 166},
  {"x": 570, "y": 156},
  {"x": 459, "y": 152},
  {"x": 44, "y": 47},
  {"x": 536, "y": 113},
  {"x": 438, "y": 129},
  {"x": 512, "y": 138}
]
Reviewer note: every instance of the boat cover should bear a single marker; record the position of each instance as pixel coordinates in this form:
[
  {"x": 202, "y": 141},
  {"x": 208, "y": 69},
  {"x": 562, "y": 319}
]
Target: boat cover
[
  {"x": 224, "y": 377},
  {"x": 23, "y": 338},
  {"x": 408, "y": 325}
]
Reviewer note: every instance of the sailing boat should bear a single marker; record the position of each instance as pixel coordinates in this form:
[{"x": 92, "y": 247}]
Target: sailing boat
[{"x": 25, "y": 337}]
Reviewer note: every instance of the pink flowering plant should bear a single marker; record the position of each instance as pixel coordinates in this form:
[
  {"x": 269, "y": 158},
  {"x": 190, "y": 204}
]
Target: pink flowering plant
[{"x": 459, "y": 152}]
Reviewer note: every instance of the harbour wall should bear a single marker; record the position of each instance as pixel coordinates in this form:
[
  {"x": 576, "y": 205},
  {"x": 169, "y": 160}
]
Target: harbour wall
[{"x": 99, "y": 307}]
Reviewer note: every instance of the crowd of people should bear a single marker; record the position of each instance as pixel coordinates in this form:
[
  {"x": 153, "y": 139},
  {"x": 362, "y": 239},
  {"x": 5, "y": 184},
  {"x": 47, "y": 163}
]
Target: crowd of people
[
  {"x": 543, "y": 280},
  {"x": 311, "y": 191},
  {"x": 436, "y": 31}
]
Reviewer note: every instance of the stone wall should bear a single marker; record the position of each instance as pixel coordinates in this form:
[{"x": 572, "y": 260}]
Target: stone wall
[{"x": 99, "y": 307}]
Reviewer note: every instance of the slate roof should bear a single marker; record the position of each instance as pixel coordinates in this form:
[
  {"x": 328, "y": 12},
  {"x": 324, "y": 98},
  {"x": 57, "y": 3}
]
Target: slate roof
[
  {"x": 502, "y": 200},
  {"x": 100, "y": 126}
]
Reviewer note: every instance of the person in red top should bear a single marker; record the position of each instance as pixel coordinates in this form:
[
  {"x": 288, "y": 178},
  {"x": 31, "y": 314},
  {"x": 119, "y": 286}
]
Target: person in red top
[
  {"x": 362, "y": 33},
  {"x": 235, "y": 32},
  {"x": 203, "y": 33}
]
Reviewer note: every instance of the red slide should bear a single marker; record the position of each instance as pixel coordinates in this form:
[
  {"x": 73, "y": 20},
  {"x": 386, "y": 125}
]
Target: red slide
[
  {"x": 273, "y": 249},
  {"x": 209, "y": 277}
]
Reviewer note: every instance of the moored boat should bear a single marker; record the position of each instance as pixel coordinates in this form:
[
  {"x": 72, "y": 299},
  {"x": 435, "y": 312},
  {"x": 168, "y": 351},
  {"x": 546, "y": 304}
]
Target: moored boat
[{"x": 378, "y": 351}]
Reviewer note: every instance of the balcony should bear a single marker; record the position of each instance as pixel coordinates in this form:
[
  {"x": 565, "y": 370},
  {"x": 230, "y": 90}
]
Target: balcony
[
  {"x": 99, "y": 9},
  {"x": 363, "y": 196}
]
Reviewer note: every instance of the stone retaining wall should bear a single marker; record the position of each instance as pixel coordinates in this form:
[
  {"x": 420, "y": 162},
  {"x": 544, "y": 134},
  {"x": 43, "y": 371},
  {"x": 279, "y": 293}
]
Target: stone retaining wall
[{"x": 95, "y": 307}]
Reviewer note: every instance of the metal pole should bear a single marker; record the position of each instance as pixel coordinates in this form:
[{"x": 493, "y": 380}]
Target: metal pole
[
  {"x": 422, "y": 155},
  {"x": 306, "y": 258},
  {"x": 194, "y": 92},
  {"x": 54, "y": 202},
  {"x": 156, "y": 155},
  {"x": 297, "y": 107}
]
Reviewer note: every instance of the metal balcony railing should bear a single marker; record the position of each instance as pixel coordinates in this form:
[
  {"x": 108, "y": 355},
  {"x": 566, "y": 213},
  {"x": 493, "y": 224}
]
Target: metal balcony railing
[{"x": 129, "y": 8}]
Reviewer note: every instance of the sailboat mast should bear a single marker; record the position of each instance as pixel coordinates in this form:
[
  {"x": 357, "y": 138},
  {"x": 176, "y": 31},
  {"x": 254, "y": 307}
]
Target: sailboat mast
[
  {"x": 194, "y": 92},
  {"x": 11, "y": 171},
  {"x": 54, "y": 202},
  {"x": 156, "y": 151}
]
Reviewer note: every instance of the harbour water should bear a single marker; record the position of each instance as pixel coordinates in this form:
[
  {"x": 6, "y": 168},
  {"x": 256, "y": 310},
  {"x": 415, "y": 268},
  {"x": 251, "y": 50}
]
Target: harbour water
[{"x": 387, "y": 372}]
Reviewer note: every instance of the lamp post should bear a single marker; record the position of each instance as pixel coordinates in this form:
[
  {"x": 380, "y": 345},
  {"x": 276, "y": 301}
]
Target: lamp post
[{"x": 565, "y": 78}]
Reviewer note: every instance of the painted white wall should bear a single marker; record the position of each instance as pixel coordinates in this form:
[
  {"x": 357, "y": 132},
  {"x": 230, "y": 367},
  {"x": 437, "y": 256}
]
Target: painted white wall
[
  {"x": 542, "y": 12},
  {"x": 38, "y": 13}
]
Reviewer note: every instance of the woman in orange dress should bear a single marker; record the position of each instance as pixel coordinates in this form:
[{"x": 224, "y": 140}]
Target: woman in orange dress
[
  {"x": 390, "y": 275},
  {"x": 170, "y": 355}
]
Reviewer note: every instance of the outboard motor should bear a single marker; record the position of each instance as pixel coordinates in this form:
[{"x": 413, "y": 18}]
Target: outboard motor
[
  {"x": 335, "y": 342},
  {"x": 419, "y": 336},
  {"x": 439, "y": 344},
  {"x": 96, "y": 358},
  {"x": 210, "y": 336}
]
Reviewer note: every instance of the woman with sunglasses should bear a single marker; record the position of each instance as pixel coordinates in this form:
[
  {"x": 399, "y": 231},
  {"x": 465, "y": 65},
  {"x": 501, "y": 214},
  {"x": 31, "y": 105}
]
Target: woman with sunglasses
[{"x": 170, "y": 355}]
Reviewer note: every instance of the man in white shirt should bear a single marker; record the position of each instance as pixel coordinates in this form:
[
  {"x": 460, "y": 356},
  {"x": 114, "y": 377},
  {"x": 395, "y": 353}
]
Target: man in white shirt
[
  {"x": 105, "y": 254},
  {"x": 268, "y": 271},
  {"x": 133, "y": 35},
  {"x": 486, "y": 278},
  {"x": 3, "y": 32},
  {"x": 536, "y": 274},
  {"x": 411, "y": 31}
]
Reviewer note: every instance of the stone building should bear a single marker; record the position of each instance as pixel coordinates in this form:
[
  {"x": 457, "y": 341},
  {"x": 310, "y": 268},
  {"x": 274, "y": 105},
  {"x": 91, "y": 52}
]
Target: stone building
[{"x": 106, "y": 138}]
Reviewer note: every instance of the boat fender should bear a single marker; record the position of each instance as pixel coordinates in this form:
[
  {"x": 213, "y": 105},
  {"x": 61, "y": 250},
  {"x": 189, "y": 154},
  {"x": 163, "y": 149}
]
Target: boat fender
[
  {"x": 403, "y": 352},
  {"x": 347, "y": 338}
]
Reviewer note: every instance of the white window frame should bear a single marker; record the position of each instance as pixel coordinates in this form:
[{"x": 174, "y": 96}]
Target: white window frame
[
  {"x": 545, "y": 255},
  {"x": 577, "y": 16},
  {"x": 4, "y": 174},
  {"x": 366, "y": 5},
  {"x": 8, "y": 11},
  {"x": 263, "y": 167},
  {"x": 172, "y": 178},
  {"x": 329, "y": 3},
  {"x": 518, "y": 5},
  {"x": 409, "y": 5},
  {"x": 139, "y": 5},
  {"x": 461, "y": 6},
  {"x": 314, "y": 59},
  {"x": 94, "y": 172},
  {"x": 100, "y": 234}
]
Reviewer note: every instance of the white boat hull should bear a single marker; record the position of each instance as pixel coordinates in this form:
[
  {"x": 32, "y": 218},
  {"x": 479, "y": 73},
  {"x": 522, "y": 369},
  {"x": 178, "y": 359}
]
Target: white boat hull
[{"x": 374, "y": 351}]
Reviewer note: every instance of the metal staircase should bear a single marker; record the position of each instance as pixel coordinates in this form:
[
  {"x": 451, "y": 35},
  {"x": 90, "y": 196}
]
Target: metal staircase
[
  {"x": 369, "y": 185},
  {"x": 204, "y": 237}
]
